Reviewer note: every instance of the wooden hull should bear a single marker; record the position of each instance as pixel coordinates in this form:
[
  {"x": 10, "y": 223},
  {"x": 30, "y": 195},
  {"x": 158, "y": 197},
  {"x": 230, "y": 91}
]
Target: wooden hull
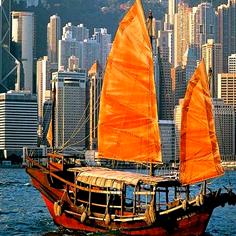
[{"x": 192, "y": 223}]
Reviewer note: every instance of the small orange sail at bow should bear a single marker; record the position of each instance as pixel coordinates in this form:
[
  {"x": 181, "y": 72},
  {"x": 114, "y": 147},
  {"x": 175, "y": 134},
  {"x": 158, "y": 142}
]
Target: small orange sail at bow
[
  {"x": 128, "y": 123},
  {"x": 50, "y": 134},
  {"x": 200, "y": 156},
  {"x": 93, "y": 69}
]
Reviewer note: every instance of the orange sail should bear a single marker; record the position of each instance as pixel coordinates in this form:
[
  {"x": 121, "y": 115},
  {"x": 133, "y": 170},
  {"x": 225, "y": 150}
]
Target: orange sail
[
  {"x": 93, "y": 69},
  {"x": 200, "y": 156},
  {"x": 50, "y": 134},
  {"x": 128, "y": 122}
]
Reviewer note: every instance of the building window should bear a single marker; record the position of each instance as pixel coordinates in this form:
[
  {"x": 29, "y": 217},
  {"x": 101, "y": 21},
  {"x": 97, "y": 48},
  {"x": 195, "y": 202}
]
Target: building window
[
  {"x": 201, "y": 29},
  {"x": 211, "y": 29}
]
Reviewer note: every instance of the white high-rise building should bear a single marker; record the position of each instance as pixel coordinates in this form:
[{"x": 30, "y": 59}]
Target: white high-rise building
[
  {"x": 79, "y": 32},
  {"x": 68, "y": 47},
  {"x": 70, "y": 121},
  {"x": 181, "y": 32},
  {"x": 73, "y": 63},
  {"x": 43, "y": 88},
  {"x": 87, "y": 51},
  {"x": 104, "y": 39},
  {"x": 23, "y": 35},
  {"x": 232, "y": 63},
  {"x": 18, "y": 115},
  {"x": 212, "y": 54},
  {"x": 172, "y": 10},
  {"x": 53, "y": 36},
  {"x": 203, "y": 25}
]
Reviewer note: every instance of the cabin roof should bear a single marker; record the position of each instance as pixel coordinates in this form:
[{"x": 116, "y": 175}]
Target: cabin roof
[{"x": 104, "y": 177}]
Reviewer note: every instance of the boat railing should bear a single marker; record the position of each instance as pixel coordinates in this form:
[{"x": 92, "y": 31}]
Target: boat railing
[{"x": 120, "y": 204}]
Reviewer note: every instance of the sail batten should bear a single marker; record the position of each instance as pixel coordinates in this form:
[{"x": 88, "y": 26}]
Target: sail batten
[
  {"x": 199, "y": 156},
  {"x": 128, "y": 122}
]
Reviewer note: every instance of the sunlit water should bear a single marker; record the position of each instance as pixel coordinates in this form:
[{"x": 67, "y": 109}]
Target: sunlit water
[{"x": 23, "y": 212}]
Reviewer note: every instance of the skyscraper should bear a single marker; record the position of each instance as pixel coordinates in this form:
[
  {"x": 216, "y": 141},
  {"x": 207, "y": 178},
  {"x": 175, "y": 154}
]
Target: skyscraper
[
  {"x": 190, "y": 60},
  {"x": 53, "y": 36},
  {"x": 43, "y": 89},
  {"x": 73, "y": 63},
  {"x": 104, "y": 39},
  {"x": 227, "y": 30},
  {"x": 227, "y": 88},
  {"x": 203, "y": 25},
  {"x": 181, "y": 32},
  {"x": 79, "y": 32},
  {"x": 23, "y": 36},
  {"x": 212, "y": 54},
  {"x": 70, "y": 115},
  {"x": 95, "y": 81},
  {"x": 8, "y": 65},
  {"x": 167, "y": 131},
  {"x": 89, "y": 52},
  {"x": 179, "y": 79},
  {"x": 172, "y": 10},
  {"x": 165, "y": 45},
  {"x": 18, "y": 112},
  {"x": 68, "y": 47},
  {"x": 165, "y": 42},
  {"x": 232, "y": 63},
  {"x": 224, "y": 115}
]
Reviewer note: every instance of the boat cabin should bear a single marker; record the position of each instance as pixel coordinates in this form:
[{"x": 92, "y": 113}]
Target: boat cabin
[{"x": 118, "y": 195}]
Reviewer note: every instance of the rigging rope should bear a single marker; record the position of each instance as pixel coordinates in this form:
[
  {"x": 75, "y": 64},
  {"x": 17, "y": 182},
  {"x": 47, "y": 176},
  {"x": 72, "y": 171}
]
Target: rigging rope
[{"x": 77, "y": 129}]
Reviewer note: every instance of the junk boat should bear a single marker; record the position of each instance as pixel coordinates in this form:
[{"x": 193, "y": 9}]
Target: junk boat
[{"x": 98, "y": 199}]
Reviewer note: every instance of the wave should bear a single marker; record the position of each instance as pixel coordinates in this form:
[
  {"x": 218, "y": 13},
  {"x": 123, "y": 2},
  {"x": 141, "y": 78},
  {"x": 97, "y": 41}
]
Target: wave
[{"x": 9, "y": 183}]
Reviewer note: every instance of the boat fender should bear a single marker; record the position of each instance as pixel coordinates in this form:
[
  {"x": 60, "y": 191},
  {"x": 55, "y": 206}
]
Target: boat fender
[
  {"x": 184, "y": 204},
  {"x": 107, "y": 219},
  {"x": 57, "y": 208},
  {"x": 197, "y": 200},
  {"x": 83, "y": 217},
  {"x": 150, "y": 215},
  {"x": 202, "y": 199}
]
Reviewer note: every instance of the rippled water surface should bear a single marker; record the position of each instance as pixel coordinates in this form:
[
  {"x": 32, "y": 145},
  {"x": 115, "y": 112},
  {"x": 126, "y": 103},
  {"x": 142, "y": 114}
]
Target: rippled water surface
[{"x": 22, "y": 211}]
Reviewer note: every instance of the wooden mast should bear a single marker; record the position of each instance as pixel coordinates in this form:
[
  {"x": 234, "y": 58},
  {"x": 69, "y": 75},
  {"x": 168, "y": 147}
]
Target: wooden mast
[
  {"x": 150, "y": 32},
  {"x": 53, "y": 115}
]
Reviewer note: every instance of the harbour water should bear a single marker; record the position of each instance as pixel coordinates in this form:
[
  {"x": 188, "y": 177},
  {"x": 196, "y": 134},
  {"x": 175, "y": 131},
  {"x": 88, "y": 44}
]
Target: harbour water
[{"x": 22, "y": 211}]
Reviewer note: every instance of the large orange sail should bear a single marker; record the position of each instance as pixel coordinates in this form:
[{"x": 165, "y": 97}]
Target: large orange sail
[
  {"x": 128, "y": 122},
  {"x": 200, "y": 156}
]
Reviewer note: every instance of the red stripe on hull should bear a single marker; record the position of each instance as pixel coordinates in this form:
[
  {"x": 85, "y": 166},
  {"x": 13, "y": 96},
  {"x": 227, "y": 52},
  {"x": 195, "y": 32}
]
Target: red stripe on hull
[{"x": 193, "y": 225}]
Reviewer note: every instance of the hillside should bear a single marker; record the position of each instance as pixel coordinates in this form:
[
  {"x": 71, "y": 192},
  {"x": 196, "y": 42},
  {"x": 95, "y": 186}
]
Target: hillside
[{"x": 92, "y": 13}]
